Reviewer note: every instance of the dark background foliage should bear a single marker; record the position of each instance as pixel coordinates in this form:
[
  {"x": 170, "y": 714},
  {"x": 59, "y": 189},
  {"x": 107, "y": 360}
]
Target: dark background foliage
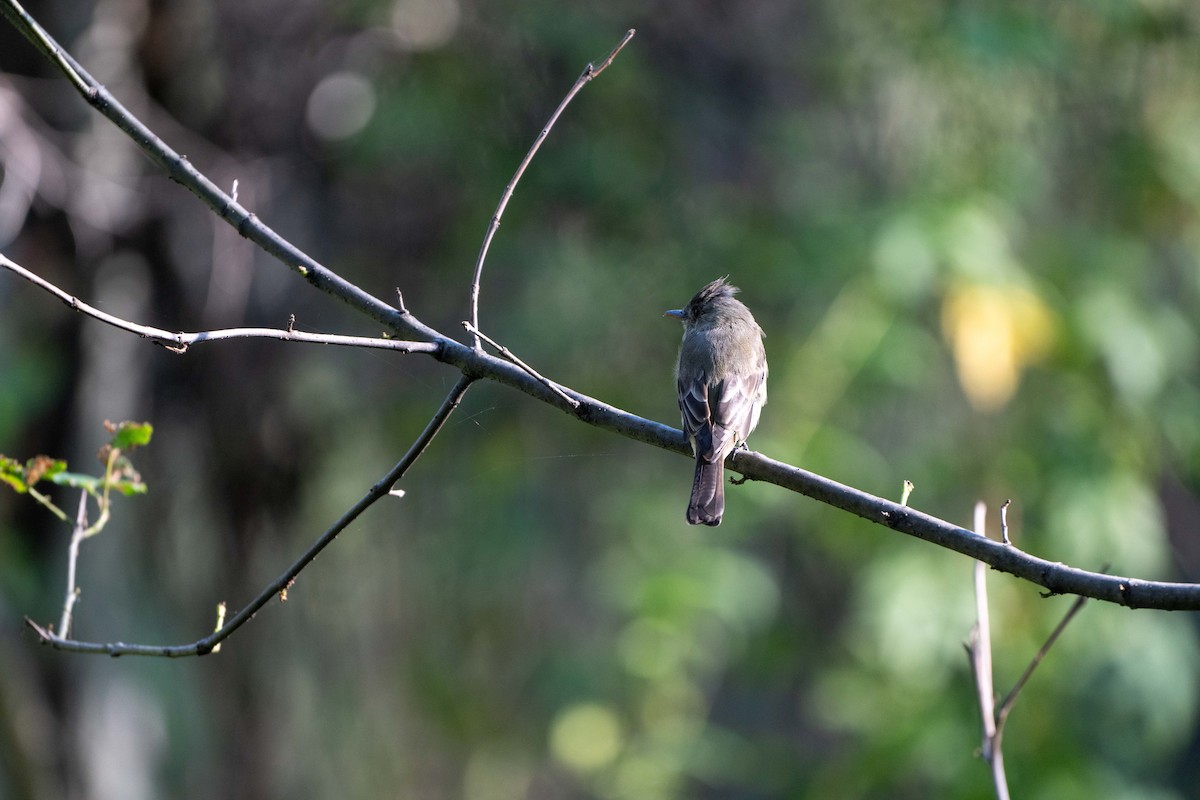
[{"x": 969, "y": 229}]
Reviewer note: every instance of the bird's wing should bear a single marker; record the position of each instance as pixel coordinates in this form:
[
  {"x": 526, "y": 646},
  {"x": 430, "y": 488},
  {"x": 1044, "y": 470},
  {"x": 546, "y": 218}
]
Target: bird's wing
[
  {"x": 693, "y": 405},
  {"x": 716, "y": 416},
  {"x": 735, "y": 403}
]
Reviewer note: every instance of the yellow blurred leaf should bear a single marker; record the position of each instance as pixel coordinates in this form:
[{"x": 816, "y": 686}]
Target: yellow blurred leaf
[{"x": 995, "y": 333}]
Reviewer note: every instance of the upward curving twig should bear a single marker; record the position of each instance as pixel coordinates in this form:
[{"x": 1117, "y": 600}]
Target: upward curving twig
[
  {"x": 589, "y": 72},
  {"x": 77, "y": 536}
]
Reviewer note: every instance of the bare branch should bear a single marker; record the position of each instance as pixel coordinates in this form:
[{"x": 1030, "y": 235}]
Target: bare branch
[
  {"x": 589, "y": 72},
  {"x": 180, "y": 342},
  {"x": 1056, "y": 577},
  {"x": 208, "y": 644}
]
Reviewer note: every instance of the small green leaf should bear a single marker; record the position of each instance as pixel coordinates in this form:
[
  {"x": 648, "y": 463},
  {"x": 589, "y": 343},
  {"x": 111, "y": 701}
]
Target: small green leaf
[
  {"x": 129, "y": 488},
  {"x": 128, "y": 435},
  {"x": 12, "y": 473},
  {"x": 16, "y": 483},
  {"x": 76, "y": 480}
]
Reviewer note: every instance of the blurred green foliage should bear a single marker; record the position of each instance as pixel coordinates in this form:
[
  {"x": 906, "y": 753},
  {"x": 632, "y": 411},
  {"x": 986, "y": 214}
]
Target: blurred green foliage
[{"x": 969, "y": 229}]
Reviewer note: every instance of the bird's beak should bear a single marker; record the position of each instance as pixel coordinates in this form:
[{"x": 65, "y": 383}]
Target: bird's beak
[{"x": 677, "y": 313}]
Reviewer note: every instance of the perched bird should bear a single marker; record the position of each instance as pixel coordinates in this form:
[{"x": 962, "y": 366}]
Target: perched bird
[{"x": 721, "y": 376}]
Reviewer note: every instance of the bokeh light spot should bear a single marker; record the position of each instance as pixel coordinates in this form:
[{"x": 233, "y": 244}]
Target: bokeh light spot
[
  {"x": 340, "y": 106},
  {"x": 425, "y": 24},
  {"x": 586, "y": 736}
]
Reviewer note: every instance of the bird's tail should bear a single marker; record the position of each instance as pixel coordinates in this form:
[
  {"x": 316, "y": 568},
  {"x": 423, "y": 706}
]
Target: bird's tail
[{"x": 708, "y": 494}]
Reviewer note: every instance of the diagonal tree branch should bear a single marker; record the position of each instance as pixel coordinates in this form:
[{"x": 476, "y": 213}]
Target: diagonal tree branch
[
  {"x": 200, "y": 647},
  {"x": 1056, "y": 577},
  {"x": 475, "y": 364}
]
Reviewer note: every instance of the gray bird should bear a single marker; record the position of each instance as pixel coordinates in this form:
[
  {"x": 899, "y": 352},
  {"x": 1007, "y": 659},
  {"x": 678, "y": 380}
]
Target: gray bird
[{"x": 721, "y": 376}]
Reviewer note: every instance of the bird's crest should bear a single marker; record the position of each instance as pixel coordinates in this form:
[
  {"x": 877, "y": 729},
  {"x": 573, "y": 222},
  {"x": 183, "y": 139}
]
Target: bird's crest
[{"x": 718, "y": 288}]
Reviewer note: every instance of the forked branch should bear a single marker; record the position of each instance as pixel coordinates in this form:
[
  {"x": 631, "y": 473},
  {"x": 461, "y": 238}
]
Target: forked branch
[
  {"x": 979, "y": 653},
  {"x": 379, "y": 489}
]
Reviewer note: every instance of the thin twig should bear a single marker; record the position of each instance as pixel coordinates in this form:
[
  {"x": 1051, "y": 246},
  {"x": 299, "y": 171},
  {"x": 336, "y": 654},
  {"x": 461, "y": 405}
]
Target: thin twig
[
  {"x": 511, "y": 356},
  {"x": 47, "y": 503},
  {"x": 77, "y": 536},
  {"x": 221, "y": 607},
  {"x": 589, "y": 72},
  {"x": 104, "y": 498},
  {"x": 1004, "y": 521},
  {"x": 180, "y": 170},
  {"x": 206, "y": 645},
  {"x": 180, "y": 342},
  {"x": 979, "y": 651},
  {"x": 1009, "y": 699}
]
